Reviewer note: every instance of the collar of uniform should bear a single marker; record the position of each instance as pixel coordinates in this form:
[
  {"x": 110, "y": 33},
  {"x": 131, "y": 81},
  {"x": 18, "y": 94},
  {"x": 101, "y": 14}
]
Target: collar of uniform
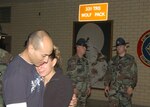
[
  {"x": 118, "y": 57},
  {"x": 79, "y": 57}
]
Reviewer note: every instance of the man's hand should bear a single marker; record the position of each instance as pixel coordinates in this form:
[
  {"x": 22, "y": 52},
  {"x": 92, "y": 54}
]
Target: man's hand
[
  {"x": 129, "y": 90},
  {"x": 89, "y": 91},
  {"x": 106, "y": 91}
]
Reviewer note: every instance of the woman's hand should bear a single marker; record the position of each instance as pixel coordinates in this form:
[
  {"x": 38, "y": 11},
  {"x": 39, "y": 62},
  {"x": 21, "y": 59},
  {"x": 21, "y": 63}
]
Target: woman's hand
[{"x": 73, "y": 102}]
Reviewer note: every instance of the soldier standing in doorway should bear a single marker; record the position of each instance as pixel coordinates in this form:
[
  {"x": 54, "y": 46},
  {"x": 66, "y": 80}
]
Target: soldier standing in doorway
[
  {"x": 121, "y": 77},
  {"x": 78, "y": 71}
]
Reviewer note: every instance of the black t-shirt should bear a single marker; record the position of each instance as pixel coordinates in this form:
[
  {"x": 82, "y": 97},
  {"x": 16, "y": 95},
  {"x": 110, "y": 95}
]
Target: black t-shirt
[
  {"x": 58, "y": 91},
  {"x": 22, "y": 84}
]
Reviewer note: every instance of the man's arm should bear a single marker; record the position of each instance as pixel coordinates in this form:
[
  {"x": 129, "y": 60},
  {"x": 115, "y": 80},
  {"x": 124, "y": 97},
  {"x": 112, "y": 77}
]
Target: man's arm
[
  {"x": 14, "y": 89},
  {"x": 71, "y": 70},
  {"x": 133, "y": 80},
  {"x": 108, "y": 77},
  {"x": 133, "y": 74}
]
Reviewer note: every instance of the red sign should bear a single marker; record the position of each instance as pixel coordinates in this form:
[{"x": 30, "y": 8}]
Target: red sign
[{"x": 143, "y": 48}]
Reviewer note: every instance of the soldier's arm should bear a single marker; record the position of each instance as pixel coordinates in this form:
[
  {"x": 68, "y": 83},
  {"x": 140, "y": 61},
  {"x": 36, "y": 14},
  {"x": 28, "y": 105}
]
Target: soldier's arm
[
  {"x": 108, "y": 75},
  {"x": 5, "y": 57},
  {"x": 89, "y": 74},
  {"x": 134, "y": 74},
  {"x": 71, "y": 70},
  {"x": 89, "y": 81},
  {"x": 107, "y": 79}
]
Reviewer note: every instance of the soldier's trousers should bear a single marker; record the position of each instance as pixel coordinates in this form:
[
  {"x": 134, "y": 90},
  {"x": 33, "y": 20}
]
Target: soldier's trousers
[
  {"x": 82, "y": 93},
  {"x": 120, "y": 100},
  {"x": 82, "y": 99}
]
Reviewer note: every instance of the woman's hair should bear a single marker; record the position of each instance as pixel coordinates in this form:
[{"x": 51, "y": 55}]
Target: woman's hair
[{"x": 56, "y": 54}]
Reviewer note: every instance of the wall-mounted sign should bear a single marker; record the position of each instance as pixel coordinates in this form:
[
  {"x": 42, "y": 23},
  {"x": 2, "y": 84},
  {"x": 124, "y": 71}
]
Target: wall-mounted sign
[
  {"x": 143, "y": 48},
  {"x": 93, "y": 12}
]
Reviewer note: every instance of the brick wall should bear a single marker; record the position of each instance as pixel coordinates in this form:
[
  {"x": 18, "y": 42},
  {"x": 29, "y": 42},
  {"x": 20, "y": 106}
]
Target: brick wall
[{"x": 131, "y": 19}]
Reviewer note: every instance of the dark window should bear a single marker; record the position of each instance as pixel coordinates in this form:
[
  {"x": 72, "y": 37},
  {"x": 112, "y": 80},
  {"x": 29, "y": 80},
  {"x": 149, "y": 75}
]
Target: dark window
[{"x": 5, "y": 14}]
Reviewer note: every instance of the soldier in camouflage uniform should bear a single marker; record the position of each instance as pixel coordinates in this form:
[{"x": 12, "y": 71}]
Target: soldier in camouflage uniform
[
  {"x": 4, "y": 60},
  {"x": 4, "y": 57},
  {"x": 78, "y": 71},
  {"x": 121, "y": 78}
]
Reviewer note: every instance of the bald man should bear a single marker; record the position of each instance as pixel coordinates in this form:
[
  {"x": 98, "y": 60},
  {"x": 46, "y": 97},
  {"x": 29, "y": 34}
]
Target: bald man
[{"x": 23, "y": 87}]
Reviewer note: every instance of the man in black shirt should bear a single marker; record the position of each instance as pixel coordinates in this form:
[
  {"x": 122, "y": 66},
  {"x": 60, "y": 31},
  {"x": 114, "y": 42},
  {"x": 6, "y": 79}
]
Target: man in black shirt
[{"x": 22, "y": 85}]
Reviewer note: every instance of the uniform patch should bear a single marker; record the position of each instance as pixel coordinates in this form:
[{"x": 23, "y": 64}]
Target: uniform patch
[{"x": 143, "y": 48}]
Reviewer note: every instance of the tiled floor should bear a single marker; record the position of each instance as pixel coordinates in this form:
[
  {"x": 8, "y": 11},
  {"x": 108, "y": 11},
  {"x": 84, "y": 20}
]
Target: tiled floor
[{"x": 97, "y": 103}]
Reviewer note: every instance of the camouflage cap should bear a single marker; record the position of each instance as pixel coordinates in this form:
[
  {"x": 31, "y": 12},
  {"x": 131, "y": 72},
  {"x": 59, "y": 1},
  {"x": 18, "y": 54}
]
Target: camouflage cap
[{"x": 81, "y": 42}]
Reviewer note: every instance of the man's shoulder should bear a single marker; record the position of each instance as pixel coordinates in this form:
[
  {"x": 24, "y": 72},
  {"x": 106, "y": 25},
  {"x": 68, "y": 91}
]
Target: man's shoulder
[
  {"x": 15, "y": 60},
  {"x": 74, "y": 58},
  {"x": 114, "y": 57},
  {"x": 5, "y": 56},
  {"x": 127, "y": 56},
  {"x": 2, "y": 51},
  {"x": 85, "y": 58},
  {"x": 130, "y": 57}
]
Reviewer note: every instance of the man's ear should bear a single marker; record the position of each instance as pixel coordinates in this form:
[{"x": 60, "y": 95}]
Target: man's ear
[
  {"x": 125, "y": 47},
  {"x": 30, "y": 48},
  {"x": 77, "y": 47},
  {"x": 54, "y": 62}
]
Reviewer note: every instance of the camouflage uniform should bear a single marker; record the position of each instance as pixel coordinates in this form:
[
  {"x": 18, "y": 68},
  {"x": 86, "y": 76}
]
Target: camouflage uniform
[
  {"x": 4, "y": 60},
  {"x": 122, "y": 73},
  {"x": 78, "y": 71}
]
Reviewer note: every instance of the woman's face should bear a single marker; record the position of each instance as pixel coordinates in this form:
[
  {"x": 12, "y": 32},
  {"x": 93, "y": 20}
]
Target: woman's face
[{"x": 46, "y": 67}]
